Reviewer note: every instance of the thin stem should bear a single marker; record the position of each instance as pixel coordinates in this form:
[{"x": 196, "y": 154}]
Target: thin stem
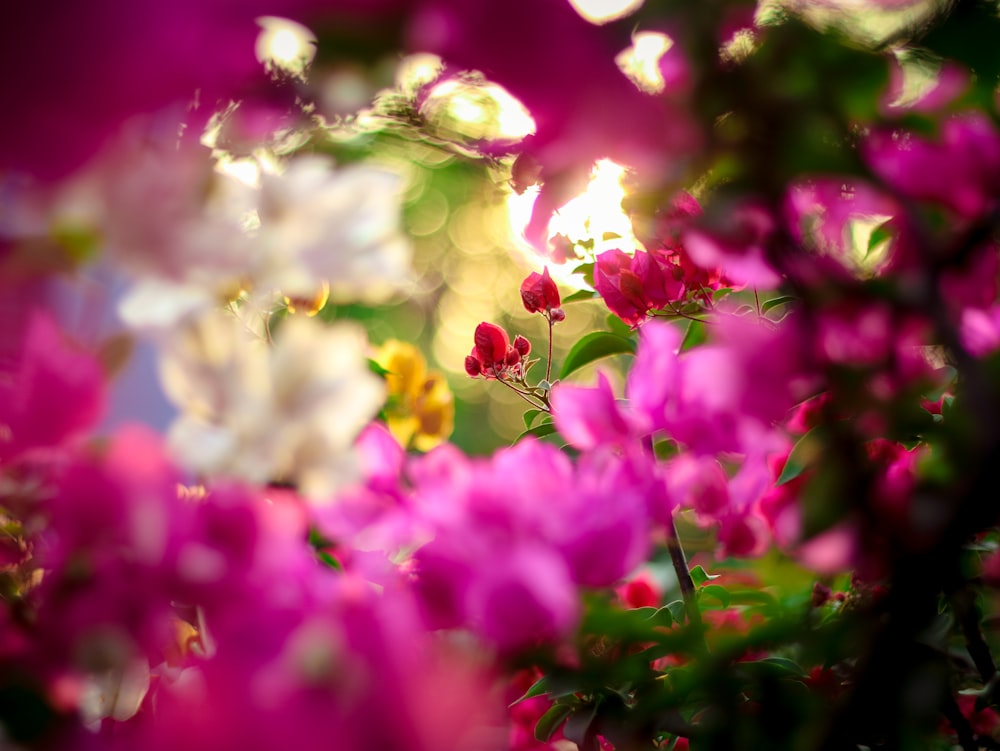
[
  {"x": 524, "y": 395},
  {"x": 756, "y": 298},
  {"x": 548, "y": 364},
  {"x": 678, "y": 314},
  {"x": 688, "y": 591},
  {"x": 706, "y": 298}
]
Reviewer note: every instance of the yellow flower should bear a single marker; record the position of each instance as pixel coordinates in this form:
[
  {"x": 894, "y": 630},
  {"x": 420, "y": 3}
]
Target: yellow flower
[{"x": 420, "y": 412}]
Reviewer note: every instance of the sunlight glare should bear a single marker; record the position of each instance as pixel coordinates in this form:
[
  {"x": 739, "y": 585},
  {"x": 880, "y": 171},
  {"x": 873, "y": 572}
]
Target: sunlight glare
[
  {"x": 285, "y": 44},
  {"x": 602, "y": 11},
  {"x": 480, "y": 110},
  {"x": 595, "y": 215},
  {"x": 868, "y": 259},
  {"x": 641, "y": 61},
  {"x": 416, "y": 71},
  {"x": 513, "y": 119},
  {"x": 244, "y": 171}
]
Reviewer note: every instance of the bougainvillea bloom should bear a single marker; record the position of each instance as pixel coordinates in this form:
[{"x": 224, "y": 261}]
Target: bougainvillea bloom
[
  {"x": 617, "y": 279},
  {"x": 492, "y": 344},
  {"x": 589, "y": 417},
  {"x": 539, "y": 293},
  {"x": 661, "y": 278},
  {"x": 493, "y": 356},
  {"x": 836, "y": 217},
  {"x": 52, "y": 393},
  {"x": 958, "y": 169},
  {"x": 736, "y": 242}
]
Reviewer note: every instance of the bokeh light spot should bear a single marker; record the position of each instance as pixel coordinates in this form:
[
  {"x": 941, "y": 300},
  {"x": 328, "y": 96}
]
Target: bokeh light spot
[
  {"x": 285, "y": 45},
  {"x": 604, "y": 11}
]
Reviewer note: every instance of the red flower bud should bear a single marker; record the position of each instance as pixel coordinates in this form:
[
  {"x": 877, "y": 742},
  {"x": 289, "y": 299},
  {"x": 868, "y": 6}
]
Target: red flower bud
[
  {"x": 539, "y": 292},
  {"x": 491, "y": 344},
  {"x": 522, "y": 345},
  {"x": 513, "y": 357},
  {"x": 557, "y": 314},
  {"x": 472, "y": 366}
]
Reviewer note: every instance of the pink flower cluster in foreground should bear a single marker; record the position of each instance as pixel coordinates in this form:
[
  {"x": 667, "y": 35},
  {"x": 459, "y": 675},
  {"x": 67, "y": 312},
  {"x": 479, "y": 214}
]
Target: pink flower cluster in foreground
[{"x": 169, "y": 616}]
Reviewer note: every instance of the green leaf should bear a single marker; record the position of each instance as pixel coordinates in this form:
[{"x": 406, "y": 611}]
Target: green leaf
[
  {"x": 699, "y": 576},
  {"x": 777, "y": 301},
  {"x": 329, "y": 560},
  {"x": 583, "y": 294},
  {"x": 539, "y": 431},
  {"x": 879, "y": 235},
  {"x": 717, "y": 592},
  {"x": 783, "y": 666},
  {"x": 663, "y": 617},
  {"x": 538, "y": 688},
  {"x": 753, "y": 597},
  {"x": 617, "y": 326},
  {"x": 531, "y": 415},
  {"x": 648, "y": 617},
  {"x": 377, "y": 369},
  {"x": 666, "y": 449},
  {"x": 317, "y": 539},
  {"x": 803, "y": 453},
  {"x": 720, "y": 293},
  {"x": 677, "y": 611},
  {"x": 549, "y": 722},
  {"x": 696, "y": 333},
  {"x": 586, "y": 270},
  {"x": 594, "y": 346}
]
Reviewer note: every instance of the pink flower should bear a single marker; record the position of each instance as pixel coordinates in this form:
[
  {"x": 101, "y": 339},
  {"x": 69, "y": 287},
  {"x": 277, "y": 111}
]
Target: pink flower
[
  {"x": 589, "y": 417},
  {"x": 821, "y": 213},
  {"x": 539, "y": 293},
  {"x": 325, "y": 668},
  {"x": 54, "y": 391},
  {"x": 725, "y": 396},
  {"x": 614, "y": 497},
  {"x": 504, "y": 562},
  {"x": 527, "y": 598},
  {"x": 621, "y": 287},
  {"x": 698, "y": 483},
  {"x": 981, "y": 330},
  {"x": 736, "y": 242},
  {"x": 958, "y": 169},
  {"x": 634, "y": 285},
  {"x": 493, "y": 356},
  {"x": 640, "y": 592},
  {"x": 154, "y": 59}
]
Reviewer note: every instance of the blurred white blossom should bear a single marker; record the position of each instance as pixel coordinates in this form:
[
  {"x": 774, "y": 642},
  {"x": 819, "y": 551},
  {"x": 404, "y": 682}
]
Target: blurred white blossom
[
  {"x": 195, "y": 236},
  {"x": 287, "y": 411}
]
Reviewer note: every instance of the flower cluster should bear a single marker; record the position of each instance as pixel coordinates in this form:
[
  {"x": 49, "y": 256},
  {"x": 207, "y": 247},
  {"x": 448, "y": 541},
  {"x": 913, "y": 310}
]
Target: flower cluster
[
  {"x": 494, "y": 357},
  {"x": 228, "y": 521},
  {"x": 541, "y": 295},
  {"x": 664, "y": 278}
]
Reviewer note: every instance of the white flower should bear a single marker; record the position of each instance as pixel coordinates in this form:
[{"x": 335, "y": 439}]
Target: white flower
[
  {"x": 288, "y": 412},
  {"x": 195, "y": 237},
  {"x": 339, "y": 226}
]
